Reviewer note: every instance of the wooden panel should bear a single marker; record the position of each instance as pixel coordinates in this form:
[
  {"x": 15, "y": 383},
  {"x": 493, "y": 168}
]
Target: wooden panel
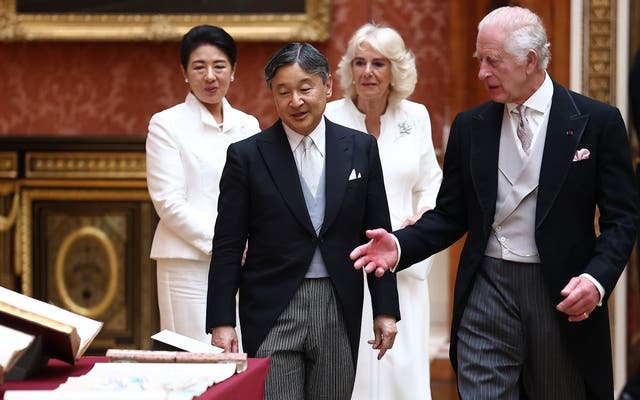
[
  {"x": 556, "y": 18},
  {"x": 82, "y": 235}
]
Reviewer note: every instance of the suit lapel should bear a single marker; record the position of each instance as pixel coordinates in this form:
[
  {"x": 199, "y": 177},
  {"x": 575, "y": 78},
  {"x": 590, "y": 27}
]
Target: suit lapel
[
  {"x": 339, "y": 152},
  {"x": 485, "y": 143},
  {"x": 566, "y": 126},
  {"x": 278, "y": 158}
]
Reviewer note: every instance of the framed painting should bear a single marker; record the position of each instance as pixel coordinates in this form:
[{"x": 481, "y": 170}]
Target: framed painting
[{"x": 120, "y": 20}]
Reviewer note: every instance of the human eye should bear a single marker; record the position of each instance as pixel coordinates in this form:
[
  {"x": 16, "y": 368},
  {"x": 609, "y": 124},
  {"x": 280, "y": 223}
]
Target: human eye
[
  {"x": 493, "y": 61},
  {"x": 379, "y": 64},
  {"x": 199, "y": 68},
  {"x": 359, "y": 62}
]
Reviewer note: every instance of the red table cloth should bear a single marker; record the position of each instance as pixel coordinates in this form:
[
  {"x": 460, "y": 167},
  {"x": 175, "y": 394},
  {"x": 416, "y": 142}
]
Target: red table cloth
[{"x": 248, "y": 385}]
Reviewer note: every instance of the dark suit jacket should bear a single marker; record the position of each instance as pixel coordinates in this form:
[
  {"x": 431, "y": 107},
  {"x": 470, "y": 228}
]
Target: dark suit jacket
[
  {"x": 568, "y": 194},
  {"x": 634, "y": 92},
  {"x": 261, "y": 200}
]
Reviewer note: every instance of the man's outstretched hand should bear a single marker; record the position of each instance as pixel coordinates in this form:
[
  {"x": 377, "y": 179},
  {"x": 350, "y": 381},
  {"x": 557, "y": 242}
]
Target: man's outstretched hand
[{"x": 379, "y": 254}]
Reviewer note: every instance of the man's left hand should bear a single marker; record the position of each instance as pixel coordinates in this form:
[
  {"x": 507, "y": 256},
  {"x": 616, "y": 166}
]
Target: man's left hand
[
  {"x": 384, "y": 328},
  {"x": 581, "y": 297}
]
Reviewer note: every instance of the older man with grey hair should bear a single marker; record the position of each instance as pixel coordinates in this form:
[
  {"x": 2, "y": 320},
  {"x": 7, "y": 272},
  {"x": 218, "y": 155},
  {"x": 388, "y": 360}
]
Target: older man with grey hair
[
  {"x": 301, "y": 193},
  {"x": 523, "y": 176}
]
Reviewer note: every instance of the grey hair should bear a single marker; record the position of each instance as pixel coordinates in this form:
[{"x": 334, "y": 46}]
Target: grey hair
[
  {"x": 303, "y": 54},
  {"x": 388, "y": 42},
  {"x": 526, "y": 32}
]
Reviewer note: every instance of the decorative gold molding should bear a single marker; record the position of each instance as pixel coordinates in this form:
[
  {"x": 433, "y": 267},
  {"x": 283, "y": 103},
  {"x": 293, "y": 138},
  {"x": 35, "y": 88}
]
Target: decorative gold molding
[
  {"x": 7, "y": 222},
  {"x": 8, "y": 164},
  {"x": 599, "y": 44},
  {"x": 86, "y": 165},
  {"x": 93, "y": 233},
  {"x": 24, "y": 228},
  {"x": 312, "y": 25}
]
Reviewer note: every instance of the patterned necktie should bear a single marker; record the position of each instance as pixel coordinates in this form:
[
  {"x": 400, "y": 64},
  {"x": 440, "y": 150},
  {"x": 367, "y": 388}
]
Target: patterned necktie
[
  {"x": 310, "y": 165},
  {"x": 524, "y": 131}
]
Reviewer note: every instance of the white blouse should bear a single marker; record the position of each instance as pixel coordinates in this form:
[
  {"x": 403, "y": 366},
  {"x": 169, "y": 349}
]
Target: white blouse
[{"x": 411, "y": 172}]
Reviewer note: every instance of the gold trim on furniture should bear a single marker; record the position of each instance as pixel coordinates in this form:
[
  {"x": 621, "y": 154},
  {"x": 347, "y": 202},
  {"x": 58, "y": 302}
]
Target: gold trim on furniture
[
  {"x": 312, "y": 25},
  {"x": 8, "y": 164},
  {"x": 599, "y": 44},
  {"x": 85, "y": 165},
  {"x": 24, "y": 227},
  {"x": 87, "y": 232},
  {"x": 7, "y": 222}
]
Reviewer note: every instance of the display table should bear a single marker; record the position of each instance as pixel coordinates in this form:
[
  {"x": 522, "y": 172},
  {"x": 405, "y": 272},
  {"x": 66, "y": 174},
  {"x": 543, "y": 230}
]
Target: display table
[{"x": 248, "y": 385}]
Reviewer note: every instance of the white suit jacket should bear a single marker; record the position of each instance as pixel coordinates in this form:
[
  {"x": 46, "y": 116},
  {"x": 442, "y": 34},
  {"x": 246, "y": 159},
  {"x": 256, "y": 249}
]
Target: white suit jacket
[{"x": 186, "y": 152}]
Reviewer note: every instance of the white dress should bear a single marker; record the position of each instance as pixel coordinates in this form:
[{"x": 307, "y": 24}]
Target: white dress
[
  {"x": 186, "y": 152},
  {"x": 412, "y": 179}
]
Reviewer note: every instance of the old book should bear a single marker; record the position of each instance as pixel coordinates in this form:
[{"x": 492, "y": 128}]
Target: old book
[
  {"x": 14, "y": 345},
  {"x": 65, "y": 335}
]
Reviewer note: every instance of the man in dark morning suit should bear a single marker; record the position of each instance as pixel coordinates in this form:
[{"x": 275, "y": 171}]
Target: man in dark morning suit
[
  {"x": 631, "y": 389},
  {"x": 300, "y": 298},
  {"x": 523, "y": 175}
]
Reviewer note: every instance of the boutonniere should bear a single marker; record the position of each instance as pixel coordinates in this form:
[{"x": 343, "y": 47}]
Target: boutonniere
[{"x": 405, "y": 128}]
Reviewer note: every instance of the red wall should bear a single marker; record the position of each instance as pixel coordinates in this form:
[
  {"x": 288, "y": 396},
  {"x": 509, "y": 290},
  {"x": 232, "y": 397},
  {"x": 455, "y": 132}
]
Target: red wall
[{"x": 74, "y": 88}]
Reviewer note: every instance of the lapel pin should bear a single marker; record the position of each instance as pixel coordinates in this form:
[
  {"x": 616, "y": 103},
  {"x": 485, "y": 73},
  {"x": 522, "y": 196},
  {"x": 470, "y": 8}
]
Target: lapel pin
[{"x": 569, "y": 132}]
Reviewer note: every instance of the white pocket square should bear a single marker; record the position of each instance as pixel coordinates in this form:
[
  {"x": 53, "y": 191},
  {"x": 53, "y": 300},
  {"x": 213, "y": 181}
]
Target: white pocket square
[
  {"x": 581, "y": 154},
  {"x": 354, "y": 175}
]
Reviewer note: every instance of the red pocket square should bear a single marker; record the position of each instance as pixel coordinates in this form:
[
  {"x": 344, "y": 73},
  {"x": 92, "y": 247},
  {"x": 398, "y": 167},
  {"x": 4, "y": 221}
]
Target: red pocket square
[{"x": 581, "y": 154}]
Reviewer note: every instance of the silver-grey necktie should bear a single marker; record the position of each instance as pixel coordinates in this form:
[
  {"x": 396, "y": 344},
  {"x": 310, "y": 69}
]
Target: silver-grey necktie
[
  {"x": 310, "y": 165},
  {"x": 524, "y": 131}
]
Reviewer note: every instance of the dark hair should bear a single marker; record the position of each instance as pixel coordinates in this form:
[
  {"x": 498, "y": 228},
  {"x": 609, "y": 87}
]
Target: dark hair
[
  {"x": 207, "y": 34},
  {"x": 303, "y": 54}
]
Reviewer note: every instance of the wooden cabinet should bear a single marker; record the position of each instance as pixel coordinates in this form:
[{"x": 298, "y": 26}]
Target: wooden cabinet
[{"x": 76, "y": 231}]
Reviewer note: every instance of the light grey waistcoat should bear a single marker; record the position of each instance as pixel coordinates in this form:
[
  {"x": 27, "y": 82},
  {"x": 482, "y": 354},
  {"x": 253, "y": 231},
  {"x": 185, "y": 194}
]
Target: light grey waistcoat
[
  {"x": 513, "y": 228},
  {"x": 316, "y": 207}
]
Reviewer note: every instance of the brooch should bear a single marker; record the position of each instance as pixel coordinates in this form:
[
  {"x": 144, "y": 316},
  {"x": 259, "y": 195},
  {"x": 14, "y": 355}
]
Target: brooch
[{"x": 405, "y": 128}]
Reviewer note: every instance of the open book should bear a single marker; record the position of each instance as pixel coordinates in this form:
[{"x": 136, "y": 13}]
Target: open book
[
  {"x": 65, "y": 335},
  {"x": 14, "y": 344}
]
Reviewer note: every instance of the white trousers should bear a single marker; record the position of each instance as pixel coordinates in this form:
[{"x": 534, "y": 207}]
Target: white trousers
[{"x": 182, "y": 296}]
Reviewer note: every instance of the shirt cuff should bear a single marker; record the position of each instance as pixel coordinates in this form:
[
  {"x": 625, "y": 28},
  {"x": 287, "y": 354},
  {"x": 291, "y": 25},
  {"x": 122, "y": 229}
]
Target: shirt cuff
[
  {"x": 598, "y": 286},
  {"x": 395, "y": 239}
]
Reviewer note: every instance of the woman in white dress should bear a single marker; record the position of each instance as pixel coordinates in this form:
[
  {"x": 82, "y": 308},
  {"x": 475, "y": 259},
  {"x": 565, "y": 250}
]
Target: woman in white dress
[
  {"x": 186, "y": 151},
  {"x": 377, "y": 74}
]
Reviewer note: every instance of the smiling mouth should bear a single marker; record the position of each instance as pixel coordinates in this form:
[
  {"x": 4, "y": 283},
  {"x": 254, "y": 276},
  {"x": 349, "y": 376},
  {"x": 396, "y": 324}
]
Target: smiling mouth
[{"x": 299, "y": 115}]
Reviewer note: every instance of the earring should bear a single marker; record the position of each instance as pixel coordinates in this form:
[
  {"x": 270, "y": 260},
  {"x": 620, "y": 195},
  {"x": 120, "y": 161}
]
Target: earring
[
  {"x": 186, "y": 80},
  {"x": 232, "y": 78}
]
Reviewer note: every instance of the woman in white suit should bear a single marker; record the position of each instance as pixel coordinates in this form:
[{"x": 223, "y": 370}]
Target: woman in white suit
[
  {"x": 377, "y": 74},
  {"x": 186, "y": 151}
]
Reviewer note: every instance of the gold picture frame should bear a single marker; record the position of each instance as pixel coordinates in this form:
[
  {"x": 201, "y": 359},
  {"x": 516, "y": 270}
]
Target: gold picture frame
[{"x": 312, "y": 25}]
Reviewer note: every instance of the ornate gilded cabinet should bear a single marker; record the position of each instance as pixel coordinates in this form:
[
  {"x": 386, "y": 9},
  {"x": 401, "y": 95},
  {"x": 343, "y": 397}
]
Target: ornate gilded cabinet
[{"x": 76, "y": 224}]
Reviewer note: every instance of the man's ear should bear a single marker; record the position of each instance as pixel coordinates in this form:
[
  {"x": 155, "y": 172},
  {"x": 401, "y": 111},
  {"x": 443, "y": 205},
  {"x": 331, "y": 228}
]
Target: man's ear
[
  {"x": 532, "y": 60},
  {"x": 329, "y": 86}
]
